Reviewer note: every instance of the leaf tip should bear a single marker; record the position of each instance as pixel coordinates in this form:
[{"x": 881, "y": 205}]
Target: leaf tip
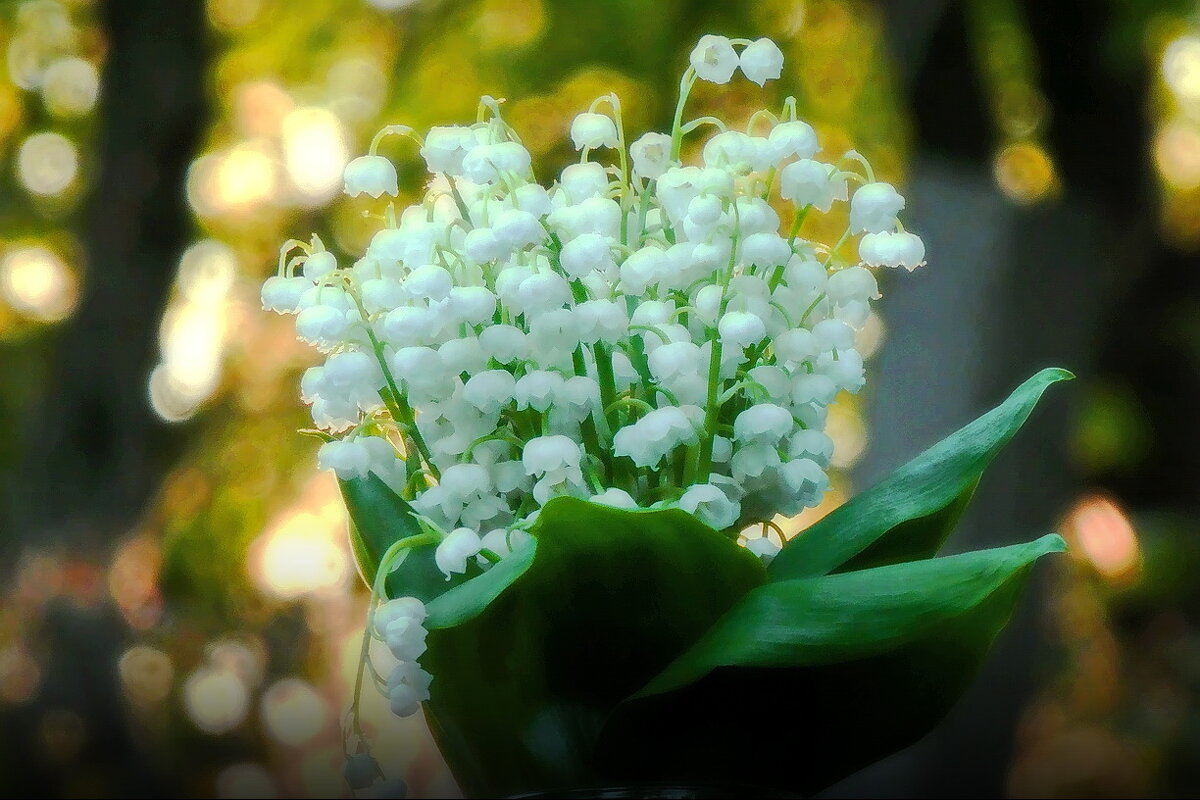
[
  {"x": 1055, "y": 374},
  {"x": 1055, "y": 543}
]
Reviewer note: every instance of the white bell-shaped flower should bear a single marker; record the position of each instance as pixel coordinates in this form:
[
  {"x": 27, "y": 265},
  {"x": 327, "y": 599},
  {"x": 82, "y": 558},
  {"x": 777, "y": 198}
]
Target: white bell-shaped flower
[
  {"x": 551, "y": 455},
  {"x": 616, "y": 498},
  {"x": 762, "y": 61},
  {"x": 319, "y": 265},
  {"x": 537, "y": 389},
  {"x": 518, "y": 228},
  {"x": 282, "y": 295},
  {"x": 445, "y": 148},
  {"x": 741, "y": 329},
  {"x": 453, "y": 553},
  {"x": 766, "y": 249},
  {"x": 811, "y": 444},
  {"x": 586, "y": 253},
  {"x": 347, "y": 457},
  {"x": 764, "y": 422},
  {"x": 714, "y": 59},
  {"x": 892, "y": 249},
  {"x": 405, "y": 637},
  {"x": 593, "y": 130},
  {"x": 601, "y": 321},
  {"x": 710, "y": 505},
  {"x": 490, "y": 390},
  {"x": 430, "y": 282},
  {"x": 505, "y": 343},
  {"x": 811, "y": 183},
  {"x": 764, "y": 548},
  {"x": 794, "y": 138},
  {"x": 401, "y": 607},
  {"x": 874, "y": 208},
  {"x": 651, "y": 155},
  {"x": 403, "y": 700},
  {"x": 581, "y": 181},
  {"x": 373, "y": 175}
]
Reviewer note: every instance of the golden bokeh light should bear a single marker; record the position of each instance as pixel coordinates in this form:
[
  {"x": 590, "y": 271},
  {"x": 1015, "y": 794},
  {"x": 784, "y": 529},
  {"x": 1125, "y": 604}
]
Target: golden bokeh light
[
  {"x": 207, "y": 270},
  {"x": 259, "y": 108},
  {"x": 216, "y": 700},
  {"x": 1181, "y": 68},
  {"x": 233, "y": 14},
  {"x": 47, "y": 163},
  {"x": 191, "y": 339},
  {"x": 315, "y": 151},
  {"x": 299, "y": 555},
  {"x": 147, "y": 675},
  {"x": 509, "y": 23},
  {"x": 1104, "y": 537},
  {"x": 871, "y": 336},
  {"x": 245, "y": 178},
  {"x": 356, "y": 88},
  {"x": 1177, "y": 154},
  {"x": 70, "y": 87},
  {"x": 1025, "y": 172},
  {"x": 293, "y": 712},
  {"x": 133, "y": 581},
  {"x": 35, "y": 282},
  {"x": 845, "y": 426},
  {"x": 244, "y": 657},
  {"x": 233, "y": 181}
]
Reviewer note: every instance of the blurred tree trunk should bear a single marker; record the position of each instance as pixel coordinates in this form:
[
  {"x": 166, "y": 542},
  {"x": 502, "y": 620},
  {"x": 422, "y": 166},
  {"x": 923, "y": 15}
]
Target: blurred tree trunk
[
  {"x": 96, "y": 450},
  {"x": 91, "y": 452}
]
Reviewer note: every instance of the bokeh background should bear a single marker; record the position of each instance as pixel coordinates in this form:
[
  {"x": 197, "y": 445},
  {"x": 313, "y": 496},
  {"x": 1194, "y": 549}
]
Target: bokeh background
[{"x": 178, "y": 610}]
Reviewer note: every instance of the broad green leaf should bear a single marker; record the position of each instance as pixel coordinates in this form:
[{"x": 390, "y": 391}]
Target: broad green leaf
[
  {"x": 611, "y": 597},
  {"x": 850, "y": 615},
  {"x": 909, "y": 514},
  {"x": 809, "y": 680},
  {"x": 378, "y": 519}
]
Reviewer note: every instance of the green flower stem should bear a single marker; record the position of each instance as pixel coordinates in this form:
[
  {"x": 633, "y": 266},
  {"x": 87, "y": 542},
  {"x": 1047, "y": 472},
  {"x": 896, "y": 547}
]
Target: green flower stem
[
  {"x": 685, "y": 87},
  {"x": 591, "y": 440},
  {"x": 811, "y": 307},
  {"x": 458, "y": 200},
  {"x": 711, "y": 409},
  {"x": 401, "y": 411},
  {"x": 712, "y": 406},
  {"x": 633, "y": 402}
]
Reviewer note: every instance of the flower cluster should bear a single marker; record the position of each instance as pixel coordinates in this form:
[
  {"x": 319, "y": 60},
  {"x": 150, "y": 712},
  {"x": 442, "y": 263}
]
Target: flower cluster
[{"x": 639, "y": 333}]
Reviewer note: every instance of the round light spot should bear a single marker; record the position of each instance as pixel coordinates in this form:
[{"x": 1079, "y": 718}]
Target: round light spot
[
  {"x": 70, "y": 87},
  {"x": 36, "y": 282},
  {"x": 47, "y": 163}
]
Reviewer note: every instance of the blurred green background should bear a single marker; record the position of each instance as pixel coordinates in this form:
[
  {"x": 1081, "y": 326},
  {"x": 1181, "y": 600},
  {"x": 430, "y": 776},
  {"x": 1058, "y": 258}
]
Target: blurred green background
[{"x": 178, "y": 610}]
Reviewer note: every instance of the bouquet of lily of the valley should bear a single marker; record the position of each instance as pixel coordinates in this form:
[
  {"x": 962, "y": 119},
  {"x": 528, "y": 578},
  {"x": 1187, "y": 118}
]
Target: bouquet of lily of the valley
[{"x": 566, "y": 419}]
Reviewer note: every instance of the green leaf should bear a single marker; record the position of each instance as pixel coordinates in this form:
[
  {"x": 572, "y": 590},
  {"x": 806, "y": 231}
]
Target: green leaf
[
  {"x": 378, "y": 519},
  {"x": 909, "y": 514},
  {"x": 522, "y": 689},
  {"x": 850, "y": 615},
  {"x": 807, "y": 680}
]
